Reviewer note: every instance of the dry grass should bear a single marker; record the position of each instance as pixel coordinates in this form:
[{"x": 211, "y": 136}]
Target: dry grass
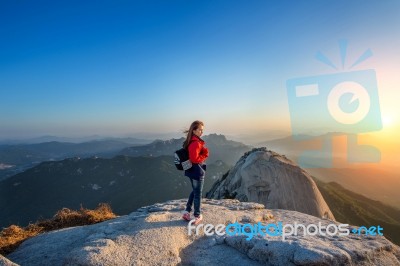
[{"x": 12, "y": 236}]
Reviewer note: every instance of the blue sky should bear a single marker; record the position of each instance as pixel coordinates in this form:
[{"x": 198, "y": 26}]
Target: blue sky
[{"x": 75, "y": 68}]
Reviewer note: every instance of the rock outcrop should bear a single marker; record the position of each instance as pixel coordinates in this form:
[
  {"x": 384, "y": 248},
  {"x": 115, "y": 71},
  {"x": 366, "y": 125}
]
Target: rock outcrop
[
  {"x": 266, "y": 177},
  {"x": 156, "y": 235}
]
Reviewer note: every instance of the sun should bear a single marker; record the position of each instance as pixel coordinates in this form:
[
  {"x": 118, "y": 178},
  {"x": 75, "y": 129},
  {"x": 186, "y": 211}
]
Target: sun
[{"x": 387, "y": 121}]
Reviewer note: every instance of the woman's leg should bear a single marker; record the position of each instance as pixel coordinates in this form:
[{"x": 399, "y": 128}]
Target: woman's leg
[
  {"x": 190, "y": 199},
  {"x": 197, "y": 191}
]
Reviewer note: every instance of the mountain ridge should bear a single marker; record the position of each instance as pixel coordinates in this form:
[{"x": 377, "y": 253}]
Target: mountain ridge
[
  {"x": 18, "y": 158},
  {"x": 220, "y": 148},
  {"x": 124, "y": 182},
  {"x": 353, "y": 208}
]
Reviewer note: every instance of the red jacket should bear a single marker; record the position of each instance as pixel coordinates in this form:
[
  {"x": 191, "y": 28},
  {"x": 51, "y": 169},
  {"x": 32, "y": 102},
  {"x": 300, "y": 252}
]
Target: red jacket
[{"x": 197, "y": 152}]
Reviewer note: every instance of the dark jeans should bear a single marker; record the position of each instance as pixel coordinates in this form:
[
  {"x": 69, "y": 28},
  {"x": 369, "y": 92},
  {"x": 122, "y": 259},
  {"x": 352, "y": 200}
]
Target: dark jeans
[{"x": 195, "y": 196}]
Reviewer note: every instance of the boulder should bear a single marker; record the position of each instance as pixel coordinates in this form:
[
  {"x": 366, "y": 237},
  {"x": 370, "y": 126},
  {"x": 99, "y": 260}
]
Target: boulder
[{"x": 271, "y": 179}]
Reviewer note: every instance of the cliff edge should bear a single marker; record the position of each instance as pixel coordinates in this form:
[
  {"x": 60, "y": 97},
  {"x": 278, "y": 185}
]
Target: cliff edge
[{"x": 157, "y": 235}]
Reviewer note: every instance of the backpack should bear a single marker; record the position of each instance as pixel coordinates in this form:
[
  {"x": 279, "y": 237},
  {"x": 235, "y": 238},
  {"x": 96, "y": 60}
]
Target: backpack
[{"x": 182, "y": 161}]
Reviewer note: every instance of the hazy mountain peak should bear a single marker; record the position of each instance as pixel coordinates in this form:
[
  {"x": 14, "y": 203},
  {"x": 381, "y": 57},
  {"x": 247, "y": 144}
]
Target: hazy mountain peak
[
  {"x": 271, "y": 179},
  {"x": 220, "y": 148},
  {"x": 216, "y": 136}
]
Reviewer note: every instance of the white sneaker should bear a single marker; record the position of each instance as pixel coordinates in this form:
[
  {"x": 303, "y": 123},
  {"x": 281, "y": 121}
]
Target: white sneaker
[{"x": 198, "y": 219}]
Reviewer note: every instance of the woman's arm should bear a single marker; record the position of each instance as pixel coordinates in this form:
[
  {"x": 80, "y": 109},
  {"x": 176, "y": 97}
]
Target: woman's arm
[{"x": 197, "y": 153}]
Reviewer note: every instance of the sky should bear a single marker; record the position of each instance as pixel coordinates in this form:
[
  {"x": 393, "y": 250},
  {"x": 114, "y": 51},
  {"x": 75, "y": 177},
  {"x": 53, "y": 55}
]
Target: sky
[{"x": 115, "y": 68}]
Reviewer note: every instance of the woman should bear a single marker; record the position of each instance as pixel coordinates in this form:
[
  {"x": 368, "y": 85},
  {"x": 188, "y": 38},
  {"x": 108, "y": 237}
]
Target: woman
[{"x": 198, "y": 153}]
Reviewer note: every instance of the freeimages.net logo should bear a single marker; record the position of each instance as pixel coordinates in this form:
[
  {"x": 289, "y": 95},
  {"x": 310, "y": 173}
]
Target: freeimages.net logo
[{"x": 345, "y": 102}]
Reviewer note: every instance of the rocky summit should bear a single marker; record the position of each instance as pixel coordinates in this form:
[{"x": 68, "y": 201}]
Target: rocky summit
[
  {"x": 157, "y": 235},
  {"x": 266, "y": 177}
]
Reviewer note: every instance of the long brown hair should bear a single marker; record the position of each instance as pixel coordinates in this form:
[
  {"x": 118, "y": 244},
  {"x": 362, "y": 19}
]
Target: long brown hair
[{"x": 195, "y": 125}]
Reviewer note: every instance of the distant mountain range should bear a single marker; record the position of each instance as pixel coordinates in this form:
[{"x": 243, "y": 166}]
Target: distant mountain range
[
  {"x": 346, "y": 149},
  {"x": 255, "y": 138},
  {"x": 127, "y": 183},
  {"x": 139, "y": 138},
  {"x": 15, "y": 159},
  {"x": 221, "y": 149},
  {"x": 293, "y": 146}
]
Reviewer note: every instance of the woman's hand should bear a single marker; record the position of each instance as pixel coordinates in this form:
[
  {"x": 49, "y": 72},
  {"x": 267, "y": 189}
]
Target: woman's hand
[{"x": 204, "y": 152}]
